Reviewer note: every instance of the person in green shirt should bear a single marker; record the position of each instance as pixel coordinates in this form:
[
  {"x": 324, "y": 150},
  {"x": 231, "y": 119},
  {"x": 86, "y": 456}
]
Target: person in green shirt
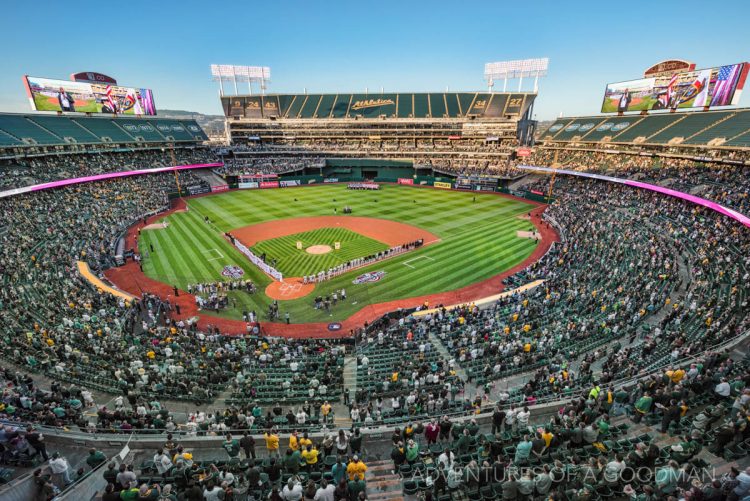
[
  {"x": 131, "y": 494},
  {"x": 412, "y": 451},
  {"x": 603, "y": 425},
  {"x": 232, "y": 446},
  {"x": 463, "y": 442},
  {"x": 149, "y": 493},
  {"x": 667, "y": 478},
  {"x": 338, "y": 471},
  {"x": 291, "y": 461},
  {"x": 95, "y": 458},
  {"x": 523, "y": 450},
  {"x": 473, "y": 427},
  {"x": 643, "y": 407},
  {"x": 355, "y": 487}
]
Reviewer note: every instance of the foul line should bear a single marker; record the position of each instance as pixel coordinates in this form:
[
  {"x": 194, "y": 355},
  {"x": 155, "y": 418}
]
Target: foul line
[{"x": 406, "y": 263}]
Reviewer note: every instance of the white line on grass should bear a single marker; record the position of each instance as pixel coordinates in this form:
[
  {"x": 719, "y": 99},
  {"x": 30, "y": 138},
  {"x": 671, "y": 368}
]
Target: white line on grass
[
  {"x": 221, "y": 256},
  {"x": 406, "y": 263}
]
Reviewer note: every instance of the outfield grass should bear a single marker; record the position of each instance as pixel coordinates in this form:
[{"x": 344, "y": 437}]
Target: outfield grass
[
  {"x": 293, "y": 262},
  {"x": 477, "y": 240}
]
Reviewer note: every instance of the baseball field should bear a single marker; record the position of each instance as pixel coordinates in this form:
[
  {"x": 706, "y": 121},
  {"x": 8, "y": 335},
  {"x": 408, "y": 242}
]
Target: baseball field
[{"x": 467, "y": 238}]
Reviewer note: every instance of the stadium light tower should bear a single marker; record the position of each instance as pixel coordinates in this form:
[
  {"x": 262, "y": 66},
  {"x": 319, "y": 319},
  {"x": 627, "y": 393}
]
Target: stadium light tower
[
  {"x": 516, "y": 69},
  {"x": 231, "y": 73}
]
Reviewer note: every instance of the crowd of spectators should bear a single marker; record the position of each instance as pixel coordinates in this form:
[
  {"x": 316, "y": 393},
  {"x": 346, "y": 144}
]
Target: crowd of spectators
[
  {"x": 725, "y": 183},
  {"x": 16, "y": 173}
]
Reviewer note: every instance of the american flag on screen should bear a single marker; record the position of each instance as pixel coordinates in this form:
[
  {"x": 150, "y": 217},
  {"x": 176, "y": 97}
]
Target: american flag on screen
[
  {"x": 724, "y": 85},
  {"x": 670, "y": 87},
  {"x": 109, "y": 98}
]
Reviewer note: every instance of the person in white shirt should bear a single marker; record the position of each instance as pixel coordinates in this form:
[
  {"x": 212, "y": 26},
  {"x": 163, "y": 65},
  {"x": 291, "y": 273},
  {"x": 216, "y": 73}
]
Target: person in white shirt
[
  {"x": 510, "y": 419},
  {"x": 162, "y": 462},
  {"x": 446, "y": 459},
  {"x": 212, "y": 492},
  {"x": 523, "y": 419},
  {"x": 301, "y": 416},
  {"x": 59, "y": 466},
  {"x": 325, "y": 491},
  {"x": 723, "y": 389},
  {"x": 292, "y": 490}
]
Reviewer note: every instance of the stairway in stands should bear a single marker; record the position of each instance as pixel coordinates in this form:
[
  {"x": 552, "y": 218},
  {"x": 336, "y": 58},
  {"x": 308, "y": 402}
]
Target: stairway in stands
[
  {"x": 382, "y": 483},
  {"x": 209, "y": 177}
]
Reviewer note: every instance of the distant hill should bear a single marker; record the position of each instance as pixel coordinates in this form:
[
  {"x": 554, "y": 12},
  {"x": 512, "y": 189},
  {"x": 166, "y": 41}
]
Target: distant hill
[{"x": 212, "y": 124}]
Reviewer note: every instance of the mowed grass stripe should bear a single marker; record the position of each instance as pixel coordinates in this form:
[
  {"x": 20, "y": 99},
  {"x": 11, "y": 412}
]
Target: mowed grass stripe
[
  {"x": 158, "y": 261},
  {"x": 449, "y": 263},
  {"x": 167, "y": 244},
  {"x": 189, "y": 258}
]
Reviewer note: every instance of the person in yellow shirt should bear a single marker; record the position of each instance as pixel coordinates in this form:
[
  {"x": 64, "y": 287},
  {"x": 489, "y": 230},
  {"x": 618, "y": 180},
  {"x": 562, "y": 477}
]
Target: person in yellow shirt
[
  {"x": 547, "y": 436},
  {"x": 310, "y": 456},
  {"x": 293, "y": 442},
  {"x": 272, "y": 443},
  {"x": 356, "y": 469},
  {"x": 304, "y": 442},
  {"x": 325, "y": 410}
]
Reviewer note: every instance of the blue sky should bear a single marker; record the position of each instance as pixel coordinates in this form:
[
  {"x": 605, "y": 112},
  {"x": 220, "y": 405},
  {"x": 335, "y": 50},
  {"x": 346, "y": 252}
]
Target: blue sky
[{"x": 334, "y": 46}]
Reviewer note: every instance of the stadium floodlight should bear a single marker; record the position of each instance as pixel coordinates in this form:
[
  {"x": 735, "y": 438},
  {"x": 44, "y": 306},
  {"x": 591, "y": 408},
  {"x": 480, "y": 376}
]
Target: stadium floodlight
[
  {"x": 519, "y": 68},
  {"x": 232, "y": 73}
]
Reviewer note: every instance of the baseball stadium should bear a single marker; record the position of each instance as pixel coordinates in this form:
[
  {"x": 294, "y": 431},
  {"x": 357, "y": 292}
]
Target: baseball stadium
[{"x": 377, "y": 295}]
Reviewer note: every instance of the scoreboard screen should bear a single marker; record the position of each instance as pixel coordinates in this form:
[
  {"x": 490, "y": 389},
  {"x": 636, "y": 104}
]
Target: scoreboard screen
[{"x": 476, "y": 183}]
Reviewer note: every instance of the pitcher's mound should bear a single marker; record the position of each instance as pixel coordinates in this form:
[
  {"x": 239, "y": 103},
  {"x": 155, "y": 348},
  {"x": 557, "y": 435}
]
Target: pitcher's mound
[
  {"x": 319, "y": 249},
  {"x": 290, "y": 288}
]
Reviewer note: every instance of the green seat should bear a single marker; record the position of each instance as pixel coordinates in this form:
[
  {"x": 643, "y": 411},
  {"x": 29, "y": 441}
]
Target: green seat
[{"x": 410, "y": 487}]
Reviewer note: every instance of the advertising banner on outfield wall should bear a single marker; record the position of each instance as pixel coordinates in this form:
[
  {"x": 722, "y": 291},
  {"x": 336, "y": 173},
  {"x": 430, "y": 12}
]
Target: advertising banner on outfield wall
[
  {"x": 440, "y": 184},
  {"x": 331, "y": 180},
  {"x": 221, "y": 187},
  {"x": 198, "y": 189},
  {"x": 269, "y": 184},
  {"x": 523, "y": 152},
  {"x": 248, "y": 186},
  {"x": 290, "y": 182},
  {"x": 405, "y": 180}
]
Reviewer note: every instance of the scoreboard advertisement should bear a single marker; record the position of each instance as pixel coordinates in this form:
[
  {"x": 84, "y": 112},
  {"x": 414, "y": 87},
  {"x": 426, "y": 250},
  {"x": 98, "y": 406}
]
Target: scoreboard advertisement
[{"x": 476, "y": 183}]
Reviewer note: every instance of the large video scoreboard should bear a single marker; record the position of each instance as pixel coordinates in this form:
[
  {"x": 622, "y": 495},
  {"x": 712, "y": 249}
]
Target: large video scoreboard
[{"x": 476, "y": 183}]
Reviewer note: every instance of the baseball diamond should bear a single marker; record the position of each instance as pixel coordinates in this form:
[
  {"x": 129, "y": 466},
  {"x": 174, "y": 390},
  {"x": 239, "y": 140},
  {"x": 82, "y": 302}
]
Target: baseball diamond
[{"x": 467, "y": 237}]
